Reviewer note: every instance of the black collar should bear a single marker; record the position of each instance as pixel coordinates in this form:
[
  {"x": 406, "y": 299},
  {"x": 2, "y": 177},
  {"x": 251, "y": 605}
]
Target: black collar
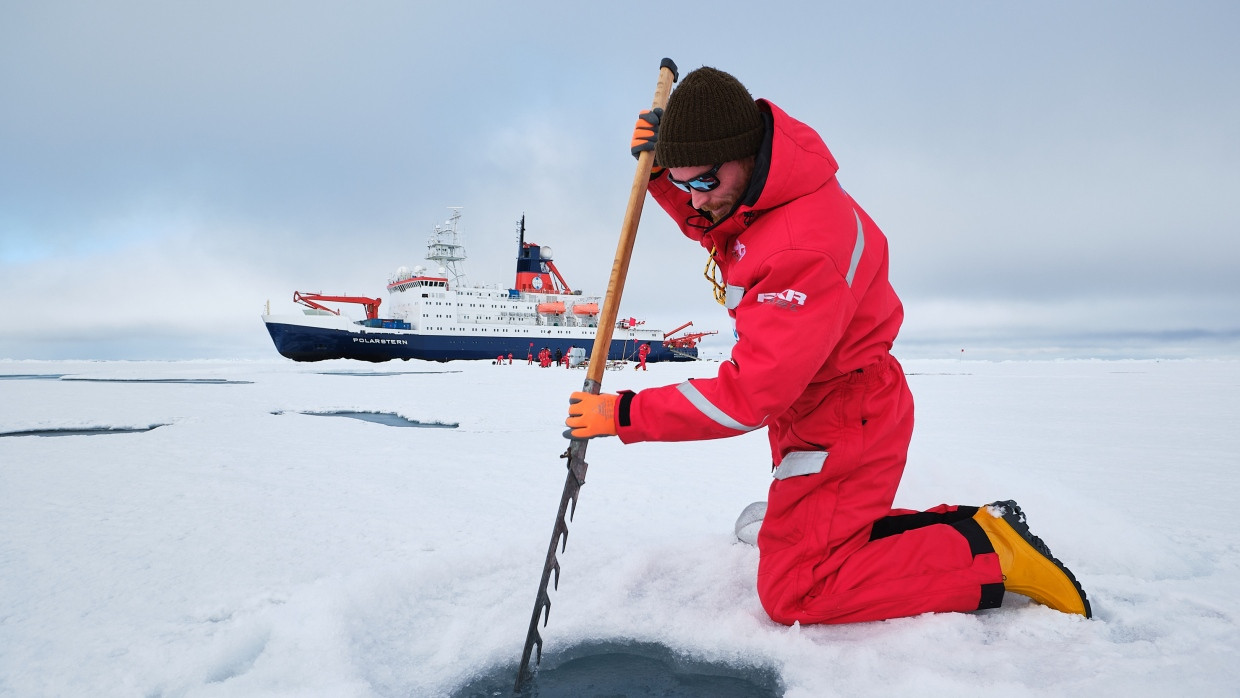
[{"x": 761, "y": 164}]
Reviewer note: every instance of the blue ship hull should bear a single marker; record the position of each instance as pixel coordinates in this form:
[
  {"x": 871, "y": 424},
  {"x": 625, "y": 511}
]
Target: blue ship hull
[{"x": 303, "y": 343}]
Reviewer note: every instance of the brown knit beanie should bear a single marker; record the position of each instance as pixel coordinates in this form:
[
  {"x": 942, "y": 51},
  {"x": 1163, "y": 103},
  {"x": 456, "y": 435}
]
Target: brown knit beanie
[{"x": 710, "y": 119}]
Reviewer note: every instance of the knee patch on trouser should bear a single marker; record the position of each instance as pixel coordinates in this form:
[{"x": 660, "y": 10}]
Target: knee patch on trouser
[{"x": 960, "y": 518}]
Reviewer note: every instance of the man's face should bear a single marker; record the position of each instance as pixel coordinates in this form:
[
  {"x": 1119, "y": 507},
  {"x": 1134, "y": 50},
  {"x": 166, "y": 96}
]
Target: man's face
[{"x": 733, "y": 180}]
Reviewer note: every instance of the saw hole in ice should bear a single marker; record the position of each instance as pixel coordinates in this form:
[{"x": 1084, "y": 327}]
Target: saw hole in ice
[{"x": 608, "y": 668}]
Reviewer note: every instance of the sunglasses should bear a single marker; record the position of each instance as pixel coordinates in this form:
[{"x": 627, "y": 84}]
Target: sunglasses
[{"x": 707, "y": 181}]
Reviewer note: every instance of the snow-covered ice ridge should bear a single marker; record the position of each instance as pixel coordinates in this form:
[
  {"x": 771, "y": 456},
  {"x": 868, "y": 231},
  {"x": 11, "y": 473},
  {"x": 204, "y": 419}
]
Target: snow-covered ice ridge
[{"x": 236, "y": 551}]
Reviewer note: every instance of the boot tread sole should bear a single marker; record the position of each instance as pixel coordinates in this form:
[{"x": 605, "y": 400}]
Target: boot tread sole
[{"x": 1015, "y": 518}]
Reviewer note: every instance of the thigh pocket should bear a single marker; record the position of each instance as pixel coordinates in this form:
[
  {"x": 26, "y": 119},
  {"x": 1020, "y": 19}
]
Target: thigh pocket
[{"x": 794, "y": 504}]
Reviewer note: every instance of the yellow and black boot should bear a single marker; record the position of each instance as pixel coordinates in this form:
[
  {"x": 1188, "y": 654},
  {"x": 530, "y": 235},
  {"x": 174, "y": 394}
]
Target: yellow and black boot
[{"x": 1027, "y": 564}]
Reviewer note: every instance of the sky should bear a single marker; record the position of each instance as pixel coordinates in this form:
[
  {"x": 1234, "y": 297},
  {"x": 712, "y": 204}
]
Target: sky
[{"x": 1055, "y": 179}]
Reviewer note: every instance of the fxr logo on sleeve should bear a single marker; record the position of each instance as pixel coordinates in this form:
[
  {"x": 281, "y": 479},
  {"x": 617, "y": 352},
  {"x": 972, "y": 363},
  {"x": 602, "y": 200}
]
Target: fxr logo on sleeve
[{"x": 786, "y": 299}]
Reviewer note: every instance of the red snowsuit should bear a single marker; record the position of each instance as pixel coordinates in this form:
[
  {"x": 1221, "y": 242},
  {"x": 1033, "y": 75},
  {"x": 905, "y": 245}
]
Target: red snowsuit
[
  {"x": 642, "y": 353},
  {"x": 806, "y": 279}
]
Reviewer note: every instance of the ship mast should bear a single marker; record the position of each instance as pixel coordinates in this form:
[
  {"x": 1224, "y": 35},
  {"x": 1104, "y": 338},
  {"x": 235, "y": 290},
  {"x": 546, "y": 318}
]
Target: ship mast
[{"x": 445, "y": 248}]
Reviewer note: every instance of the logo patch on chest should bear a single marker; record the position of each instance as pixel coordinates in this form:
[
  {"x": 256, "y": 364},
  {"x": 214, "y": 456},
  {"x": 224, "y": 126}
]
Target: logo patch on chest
[{"x": 738, "y": 251}]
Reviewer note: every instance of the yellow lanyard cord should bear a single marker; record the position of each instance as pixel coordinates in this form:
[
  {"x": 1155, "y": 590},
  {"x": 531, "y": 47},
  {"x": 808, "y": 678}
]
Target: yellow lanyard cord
[{"x": 712, "y": 275}]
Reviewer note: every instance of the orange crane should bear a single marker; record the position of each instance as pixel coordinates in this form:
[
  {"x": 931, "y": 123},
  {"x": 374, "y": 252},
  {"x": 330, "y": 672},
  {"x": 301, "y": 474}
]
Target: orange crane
[
  {"x": 687, "y": 340},
  {"x": 310, "y": 300}
]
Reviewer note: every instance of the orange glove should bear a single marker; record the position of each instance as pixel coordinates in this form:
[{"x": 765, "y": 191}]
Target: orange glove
[
  {"x": 590, "y": 415},
  {"x": 646, "y": 134}
]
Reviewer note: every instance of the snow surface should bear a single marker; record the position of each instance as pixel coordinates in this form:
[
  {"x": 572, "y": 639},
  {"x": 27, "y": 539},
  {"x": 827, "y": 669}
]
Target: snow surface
[{"x": 236, "y": 551}]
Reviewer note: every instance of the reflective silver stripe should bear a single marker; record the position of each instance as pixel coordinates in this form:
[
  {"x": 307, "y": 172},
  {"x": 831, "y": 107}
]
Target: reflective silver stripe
[
  {"x": 704, "y": 406},
  {"x": 733, "y": 295},
  {"x": 801, "y": 463},
  {"x": 857, "y": 250}
]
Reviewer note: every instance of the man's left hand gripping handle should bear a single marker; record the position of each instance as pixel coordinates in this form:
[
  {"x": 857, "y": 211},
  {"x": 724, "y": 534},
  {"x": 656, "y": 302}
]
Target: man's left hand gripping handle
[{"x": 591, "y": 415}]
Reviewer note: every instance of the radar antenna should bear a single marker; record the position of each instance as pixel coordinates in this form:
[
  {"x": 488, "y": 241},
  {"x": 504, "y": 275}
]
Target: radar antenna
[{"x": 445, "y": 247}]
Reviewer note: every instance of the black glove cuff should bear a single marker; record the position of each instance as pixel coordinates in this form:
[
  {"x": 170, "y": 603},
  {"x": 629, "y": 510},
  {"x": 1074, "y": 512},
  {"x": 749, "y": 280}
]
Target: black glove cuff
[{"x": 622, "y": 408}]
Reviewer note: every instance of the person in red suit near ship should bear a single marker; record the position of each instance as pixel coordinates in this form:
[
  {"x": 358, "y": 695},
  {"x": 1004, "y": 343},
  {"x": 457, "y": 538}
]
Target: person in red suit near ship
[
  {"x": 802, "y": 271},
  {"x": 642, "y": 353}
]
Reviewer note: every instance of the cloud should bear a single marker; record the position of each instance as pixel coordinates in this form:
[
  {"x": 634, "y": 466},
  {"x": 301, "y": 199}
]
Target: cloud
[{"x": 1026, "y": 162}]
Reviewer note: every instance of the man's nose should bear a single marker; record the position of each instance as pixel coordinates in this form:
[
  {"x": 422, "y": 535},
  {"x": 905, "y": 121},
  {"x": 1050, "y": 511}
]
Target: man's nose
[{"x": 697, "y": 198}]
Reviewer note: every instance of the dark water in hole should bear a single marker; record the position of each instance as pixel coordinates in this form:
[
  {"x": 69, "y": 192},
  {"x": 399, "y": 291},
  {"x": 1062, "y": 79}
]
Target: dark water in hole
[
  {"x": 89, "y": 431},
  {"x": 31, "y": 377},
  {"x": 384, "y": 418},
  {"x": 633, "y": 670}
]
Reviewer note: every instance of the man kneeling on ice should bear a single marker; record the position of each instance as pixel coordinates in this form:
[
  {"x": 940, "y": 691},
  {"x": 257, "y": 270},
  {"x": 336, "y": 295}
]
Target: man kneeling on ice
[{"x": 802, "y": 270}]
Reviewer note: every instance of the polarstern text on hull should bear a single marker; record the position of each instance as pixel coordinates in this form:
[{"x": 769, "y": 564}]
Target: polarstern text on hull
[{"x": 438, "y": 316}]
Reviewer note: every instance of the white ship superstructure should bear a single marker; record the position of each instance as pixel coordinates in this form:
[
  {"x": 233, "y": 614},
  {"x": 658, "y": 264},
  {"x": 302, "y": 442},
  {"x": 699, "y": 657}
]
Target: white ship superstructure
[{"x": 438, "y": 316}]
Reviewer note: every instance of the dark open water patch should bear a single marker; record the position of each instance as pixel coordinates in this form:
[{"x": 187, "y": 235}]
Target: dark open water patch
[
  {"x": 628, "y": 669},
  {"x": 382, "y": 373},
  {"x": 81, "y": 431},
  {"x": 194, "y": 381},
  {"x": 390, "y": 419},
  {"x": 31, "y": 377}
]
